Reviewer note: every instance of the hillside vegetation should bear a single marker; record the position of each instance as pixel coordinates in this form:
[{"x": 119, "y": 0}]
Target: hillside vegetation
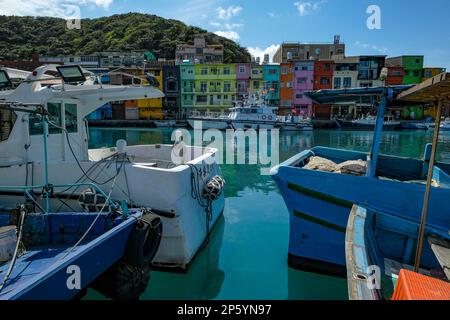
[{"x": 20, "y": 36}]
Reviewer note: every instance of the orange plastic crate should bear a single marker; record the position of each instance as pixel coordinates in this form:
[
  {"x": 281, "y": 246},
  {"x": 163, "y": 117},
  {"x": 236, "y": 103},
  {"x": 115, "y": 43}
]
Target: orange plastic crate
[{"x": 415, "y": 286}]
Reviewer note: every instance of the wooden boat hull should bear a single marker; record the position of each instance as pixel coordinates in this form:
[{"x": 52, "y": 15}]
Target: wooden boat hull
[{"x": 320, "y": 202}]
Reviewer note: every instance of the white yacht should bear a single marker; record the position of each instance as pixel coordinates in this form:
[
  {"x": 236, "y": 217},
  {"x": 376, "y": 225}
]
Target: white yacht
[
  {"x": 149, "y": 177},
  {"x": 251, "y": 115}
]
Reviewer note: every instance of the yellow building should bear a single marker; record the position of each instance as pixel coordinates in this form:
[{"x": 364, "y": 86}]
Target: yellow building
[
  {"x": 431, "y": 72},
  {"x": 152, "y": 109}
]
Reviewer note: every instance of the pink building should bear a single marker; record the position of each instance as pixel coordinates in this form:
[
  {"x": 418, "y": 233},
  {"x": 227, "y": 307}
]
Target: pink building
[
  {"x": 243, "y": 71},
  {"x": 303, "y": 81}
]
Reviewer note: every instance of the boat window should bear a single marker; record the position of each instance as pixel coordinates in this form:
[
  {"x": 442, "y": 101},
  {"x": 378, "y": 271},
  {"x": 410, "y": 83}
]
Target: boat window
[
  {"x": 7, "y": 121},
  {"x": 5, "y": 82},
  {"x": 55, "y": 117},
  {"x": 71, "y": 117}
]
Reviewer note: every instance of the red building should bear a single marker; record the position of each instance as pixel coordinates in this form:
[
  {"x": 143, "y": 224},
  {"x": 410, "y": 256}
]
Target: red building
[
  {"x": 395, "y": 76},
  {"x": 323, "y": 79}
]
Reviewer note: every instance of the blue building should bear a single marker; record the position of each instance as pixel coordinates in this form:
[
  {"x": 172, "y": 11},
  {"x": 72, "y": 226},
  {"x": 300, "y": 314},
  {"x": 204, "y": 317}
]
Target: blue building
[{"x": 271, "y": 78}]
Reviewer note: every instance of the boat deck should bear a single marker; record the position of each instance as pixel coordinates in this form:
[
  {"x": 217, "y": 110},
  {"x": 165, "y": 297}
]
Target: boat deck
[{"x": 30, "y": 267}]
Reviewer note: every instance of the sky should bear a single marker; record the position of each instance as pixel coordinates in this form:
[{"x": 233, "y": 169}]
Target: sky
[{"x": 407, "y": 27}]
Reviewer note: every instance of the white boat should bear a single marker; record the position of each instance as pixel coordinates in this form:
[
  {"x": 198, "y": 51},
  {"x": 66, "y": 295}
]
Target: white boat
[
  {"x": 149, "y": 177},
  {"x": 368, "y": 123},
  {"x": 251, "y": 117},
  {"x": 445, "y": 126}
]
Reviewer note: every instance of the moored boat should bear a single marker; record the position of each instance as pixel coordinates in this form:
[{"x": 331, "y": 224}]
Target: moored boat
[
  {"x": 168, "y": 179},
  {"x": 380, "y": 250},
  {"x": 367, "y": 123},
  {"x": 320, "y": 197}
]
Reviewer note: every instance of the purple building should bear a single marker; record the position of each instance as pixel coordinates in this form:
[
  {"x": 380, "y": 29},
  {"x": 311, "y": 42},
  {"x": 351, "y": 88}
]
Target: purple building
[
  {"x": 303, "y": 81},
  {"x": 243, "y": 71}
]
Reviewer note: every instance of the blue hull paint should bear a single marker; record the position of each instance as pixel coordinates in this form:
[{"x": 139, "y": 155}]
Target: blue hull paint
[
  {"x": 320, "y": 202},
  {"x": 42, "y": 273}
]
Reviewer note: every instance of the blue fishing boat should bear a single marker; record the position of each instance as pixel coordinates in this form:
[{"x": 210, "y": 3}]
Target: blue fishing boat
[
  {"x": 51, "y": 255},
  {"x": 379, "y": 245},
  {"x": 320, "y": 199},
  {"x": 391, "y": 255}
]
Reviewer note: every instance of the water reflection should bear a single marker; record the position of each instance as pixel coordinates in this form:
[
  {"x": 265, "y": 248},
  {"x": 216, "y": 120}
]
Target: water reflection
[{"x": 203, "y": 281}]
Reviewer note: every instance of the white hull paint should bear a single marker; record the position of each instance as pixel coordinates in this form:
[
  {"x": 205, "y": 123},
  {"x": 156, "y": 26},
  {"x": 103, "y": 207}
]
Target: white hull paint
[
  {"x": 241, "y": 124},
  {"x": 166, "y": 190}
]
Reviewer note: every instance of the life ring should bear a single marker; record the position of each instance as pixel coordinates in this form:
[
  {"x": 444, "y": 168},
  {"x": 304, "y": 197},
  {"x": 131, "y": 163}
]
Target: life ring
[
  {"x": 270, "y": 118},
  {"x": 144, "y": 241},
  {"x": 264, "y": 117}
]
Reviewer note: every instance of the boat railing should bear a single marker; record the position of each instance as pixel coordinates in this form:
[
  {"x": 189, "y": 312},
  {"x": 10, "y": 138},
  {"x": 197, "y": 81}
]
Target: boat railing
[{"x": 49, "y": 189}]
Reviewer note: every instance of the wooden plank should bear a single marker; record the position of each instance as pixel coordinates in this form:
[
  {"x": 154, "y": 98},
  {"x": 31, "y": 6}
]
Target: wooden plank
[
  {"x": 429, "y": 90},
  {"x": 441, "y": 249}
]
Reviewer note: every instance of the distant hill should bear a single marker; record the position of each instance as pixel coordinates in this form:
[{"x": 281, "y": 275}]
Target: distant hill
[{"x": 19, "y": 36}]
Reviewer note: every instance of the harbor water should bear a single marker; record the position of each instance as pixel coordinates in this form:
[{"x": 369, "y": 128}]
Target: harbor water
[{"x": 246, "y": 256}]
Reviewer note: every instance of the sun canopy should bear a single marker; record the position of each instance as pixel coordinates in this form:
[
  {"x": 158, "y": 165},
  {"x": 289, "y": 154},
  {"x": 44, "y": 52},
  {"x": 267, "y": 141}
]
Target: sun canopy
[
  {"x": 431, "y": 90},
  {"x": 353, "y": 95}
]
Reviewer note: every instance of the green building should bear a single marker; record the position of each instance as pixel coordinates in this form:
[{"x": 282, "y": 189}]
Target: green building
[
  {"x": 207, "y": 87},
  {"x": 413, "y": 66}
]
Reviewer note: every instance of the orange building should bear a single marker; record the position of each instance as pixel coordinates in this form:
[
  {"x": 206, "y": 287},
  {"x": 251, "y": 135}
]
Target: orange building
[
  {"x": 323, "y": 79},
  {"x": 286, "y": 87}
]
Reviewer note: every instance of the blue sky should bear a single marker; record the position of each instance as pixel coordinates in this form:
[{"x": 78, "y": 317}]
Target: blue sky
[{"x": 407, "y": 26}]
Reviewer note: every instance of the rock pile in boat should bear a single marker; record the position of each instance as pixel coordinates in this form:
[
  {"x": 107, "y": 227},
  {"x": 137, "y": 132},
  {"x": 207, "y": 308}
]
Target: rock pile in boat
[{"x": 352, "y": 167}]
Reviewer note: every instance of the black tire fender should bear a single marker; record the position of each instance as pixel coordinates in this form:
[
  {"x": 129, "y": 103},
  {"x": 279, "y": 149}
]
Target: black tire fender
[{"x": 143, "y": 242}]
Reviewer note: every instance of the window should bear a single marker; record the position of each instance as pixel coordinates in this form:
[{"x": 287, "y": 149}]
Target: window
[
  {"x": 301, "y": 80},
  {"x": 337, "y": 83},
  {"x": 242, "y": 69},
  {"x": 299, "y": 96},
  {"x": 255, "y": 72},
  {"x": 288, "y": 84},
  {"x": 324, "y": 81},
  {"x": 225, "y": 97},
  {"x": 273, "y": 71},
  {"x": 7, "y": 121},
  {"x": 227, "y": 87},
  {"x": 417, "y": 61},
  {"x": 202, "y": 99},
  {"x": 190, "y": 71},
  {"x": 283, "y": 70},
  {"x": 327, "y": 66},
  {"x": 71, "y": 117},
  {"x": 347, "y": 82},
  {"x": 55, "y": 117},
  {"x": 226, "y": 70},
  {"x": 396, "y": 73},
  {"x": 203, "y": 86},
  {"x": 203, "y": 71},
  {"x": 416, "y": 73},
  {"x": 256, "y": 85},
  {"x": 282, "y": 84},
  {"x": 213, "y": 70}
]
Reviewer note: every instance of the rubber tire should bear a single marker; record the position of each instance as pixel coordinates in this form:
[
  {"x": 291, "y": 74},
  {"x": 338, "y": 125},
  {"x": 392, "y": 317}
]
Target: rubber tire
[
  {"x": 123, "y": 281},
  {"x": 144, "y": 241}
]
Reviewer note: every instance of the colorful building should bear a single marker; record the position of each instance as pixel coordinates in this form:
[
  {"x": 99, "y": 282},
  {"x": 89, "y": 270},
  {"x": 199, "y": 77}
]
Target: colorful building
[
  {"x": 271, "y": 78},
  {"x": 395, "y": 76},
  {"x": 323, "y": 79},
  {"x": 369, "y": 71},
  {"x": 172, "y": 91},
  {"x": 431, "y": 72},
  {"x": 152, "y": 109},
  {"x": 286, "y": 87},
  {"x": 243, "y": 71},
  {"x": 413, "y": 66},
  {"x": 207, "y": 87},
  {"x": 345, "y": 74},
  {"x": 303, "y": 82},
  {"x": 256, "y": 79}
]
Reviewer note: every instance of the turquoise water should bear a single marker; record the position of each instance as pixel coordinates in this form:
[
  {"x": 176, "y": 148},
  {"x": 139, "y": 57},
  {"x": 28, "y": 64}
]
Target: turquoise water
[{"x": 247, "y": 253}]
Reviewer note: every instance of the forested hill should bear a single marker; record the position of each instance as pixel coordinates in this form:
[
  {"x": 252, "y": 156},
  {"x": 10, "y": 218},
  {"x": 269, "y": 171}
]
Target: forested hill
[{"x": 20, "y": 36}]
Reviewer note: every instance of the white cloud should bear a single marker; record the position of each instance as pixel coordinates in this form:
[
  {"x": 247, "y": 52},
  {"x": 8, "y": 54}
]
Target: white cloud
[
  {"x": 228, "y": 13},
  {"x": 232, "y": 35},
  {"x": 258, "y": 52},
  {"x": 306, "y": 7},
  {"x": 53, "y": 8},
  {"x": 272, "y": 14},
  {"x": 372, "y": 47}
]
